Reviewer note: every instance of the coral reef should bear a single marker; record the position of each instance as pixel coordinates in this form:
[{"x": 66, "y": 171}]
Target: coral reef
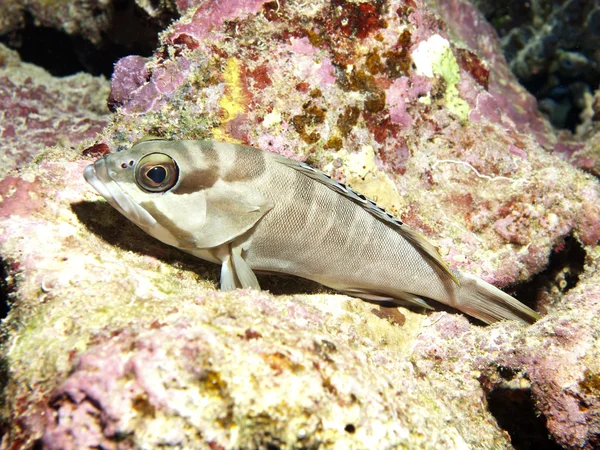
[
  {"x": 552, "y": 47},
  {"x": 465, "y": 25},
  {"x": 586, "y": 154},
  {"x": 66, "y": 37},
  {"x": 91, "y": 20},
  {"x": 40, "y": 111},
  {"x": 557, "y": 360},
  {"x": 114, "y": 340}
]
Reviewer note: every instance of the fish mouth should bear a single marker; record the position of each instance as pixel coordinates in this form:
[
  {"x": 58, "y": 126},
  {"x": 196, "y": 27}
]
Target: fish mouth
[{"x": 98, "y": 176}]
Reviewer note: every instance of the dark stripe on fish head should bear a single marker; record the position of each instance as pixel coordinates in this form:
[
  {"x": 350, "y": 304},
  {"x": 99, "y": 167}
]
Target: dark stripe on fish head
[
  {"x": 197, "y": 180},
  {"x": 194, "y": 178},
  {"x": 249, "y": 163}
]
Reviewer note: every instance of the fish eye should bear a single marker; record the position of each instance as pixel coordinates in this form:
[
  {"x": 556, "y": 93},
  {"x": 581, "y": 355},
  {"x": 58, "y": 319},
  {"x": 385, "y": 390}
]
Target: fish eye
[{"x": 156, "y": 172}]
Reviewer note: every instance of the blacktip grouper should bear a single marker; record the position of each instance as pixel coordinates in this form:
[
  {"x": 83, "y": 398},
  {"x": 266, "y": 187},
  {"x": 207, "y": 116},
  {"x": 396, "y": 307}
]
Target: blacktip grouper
[{"x": 251, "y": 210}]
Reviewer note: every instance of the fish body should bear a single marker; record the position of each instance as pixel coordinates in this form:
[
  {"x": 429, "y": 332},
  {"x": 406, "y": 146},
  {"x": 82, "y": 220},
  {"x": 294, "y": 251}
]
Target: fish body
[{"x": 255, "y": 211}]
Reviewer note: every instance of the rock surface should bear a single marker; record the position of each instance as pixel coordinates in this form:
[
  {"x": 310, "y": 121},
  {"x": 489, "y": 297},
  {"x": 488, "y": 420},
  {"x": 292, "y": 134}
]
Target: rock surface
[
  {"x": 40, "y": 111},
  {"x": 66, "y": 37},
  {"x": 552, "y": 47},
  {"x": 114, "y": 340},
  {"x": 93, "y": 21}
]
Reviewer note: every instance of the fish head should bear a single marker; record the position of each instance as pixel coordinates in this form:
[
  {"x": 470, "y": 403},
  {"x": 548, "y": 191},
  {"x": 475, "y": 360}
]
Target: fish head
[
  {"x": 140, "y": 183},
  {"x": 174, "y": 191}
]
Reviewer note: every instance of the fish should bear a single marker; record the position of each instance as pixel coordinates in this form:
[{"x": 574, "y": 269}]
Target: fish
[{"x": 253, "y": 211}]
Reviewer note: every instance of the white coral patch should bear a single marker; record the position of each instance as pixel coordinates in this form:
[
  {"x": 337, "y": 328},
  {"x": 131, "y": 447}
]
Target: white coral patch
[{"x": 428, "y": 53}]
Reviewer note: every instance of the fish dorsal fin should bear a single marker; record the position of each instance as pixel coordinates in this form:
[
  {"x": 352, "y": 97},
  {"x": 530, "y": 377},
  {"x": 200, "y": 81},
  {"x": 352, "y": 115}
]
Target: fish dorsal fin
[{"x": 416, "y": 240}]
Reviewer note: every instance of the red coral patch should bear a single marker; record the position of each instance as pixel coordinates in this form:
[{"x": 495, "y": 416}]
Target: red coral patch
[
  {"x": 358, "y": 20},
  {"x": 97, "y": 150},
  {"x": 478, "y": 69},
  {"x": 261, "y": 78}
]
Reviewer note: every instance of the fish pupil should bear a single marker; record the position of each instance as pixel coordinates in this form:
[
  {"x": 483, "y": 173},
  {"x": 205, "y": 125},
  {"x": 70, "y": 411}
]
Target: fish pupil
[{"x": 157, "y": 174}]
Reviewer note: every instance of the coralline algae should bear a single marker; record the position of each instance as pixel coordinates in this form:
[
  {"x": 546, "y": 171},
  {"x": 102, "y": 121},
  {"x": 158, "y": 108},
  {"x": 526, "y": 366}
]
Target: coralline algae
[
  {"x": 115, "y": 340},
  {"x": 40, "y": 111}
]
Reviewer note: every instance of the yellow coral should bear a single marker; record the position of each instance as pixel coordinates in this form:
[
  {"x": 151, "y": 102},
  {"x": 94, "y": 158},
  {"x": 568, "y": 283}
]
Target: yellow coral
[
  {"x": 435, "y": 57},
  {"x": 233, "y": 102}
]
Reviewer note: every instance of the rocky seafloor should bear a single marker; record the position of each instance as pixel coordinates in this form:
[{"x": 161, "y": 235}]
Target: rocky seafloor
[{"x": 114, "y": 340}]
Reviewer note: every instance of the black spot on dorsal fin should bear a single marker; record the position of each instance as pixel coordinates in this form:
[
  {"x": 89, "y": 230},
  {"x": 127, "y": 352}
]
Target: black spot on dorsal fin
[{"x": 342, "y": 189}]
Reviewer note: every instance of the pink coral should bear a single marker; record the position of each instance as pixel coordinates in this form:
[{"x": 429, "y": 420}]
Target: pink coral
[
  {"x": 20, "y": 197},
  {"x": 211, "y": 16},
  {"x": 129, "y": 74},
  {"x": 171, "y": 75},
  {"x": 130, "y": 336},
  {"x": 396, "y": 101}
]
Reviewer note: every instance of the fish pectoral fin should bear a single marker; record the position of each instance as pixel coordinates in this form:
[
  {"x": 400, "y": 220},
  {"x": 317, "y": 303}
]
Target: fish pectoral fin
[
  {"x": 243, "y": 271},
  {"x": 399, "y": 298},
  {"x": 235, "y": 271},
  {"x": 230, "y": 212}
]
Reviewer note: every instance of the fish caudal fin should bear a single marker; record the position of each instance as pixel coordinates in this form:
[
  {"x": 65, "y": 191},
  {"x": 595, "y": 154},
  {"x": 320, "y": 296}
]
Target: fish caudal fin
[{"x": 488, "y": 303}]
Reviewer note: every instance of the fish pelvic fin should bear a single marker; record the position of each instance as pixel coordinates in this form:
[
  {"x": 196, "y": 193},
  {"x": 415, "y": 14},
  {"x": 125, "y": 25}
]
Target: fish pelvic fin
[
  {"x": 235, "y": 271},
  {"x": 399, "y": 298},
  {"x": 243, "y": 272}
]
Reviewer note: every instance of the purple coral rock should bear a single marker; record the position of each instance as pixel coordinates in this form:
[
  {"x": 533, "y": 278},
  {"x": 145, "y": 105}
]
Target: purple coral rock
[
  {"x": 514, "y": 101},
  {"x": 137, "y": 90},
  {"x": 210, "y": 16},
  {"x": 134, "y": 346},
  {"x": 39, "y": 110},
  {"x": 129, "y": 74}
]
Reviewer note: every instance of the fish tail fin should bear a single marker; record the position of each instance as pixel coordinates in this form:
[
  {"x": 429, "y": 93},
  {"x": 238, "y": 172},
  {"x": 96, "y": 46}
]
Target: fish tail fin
[{"x": 488, "y": 303}]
